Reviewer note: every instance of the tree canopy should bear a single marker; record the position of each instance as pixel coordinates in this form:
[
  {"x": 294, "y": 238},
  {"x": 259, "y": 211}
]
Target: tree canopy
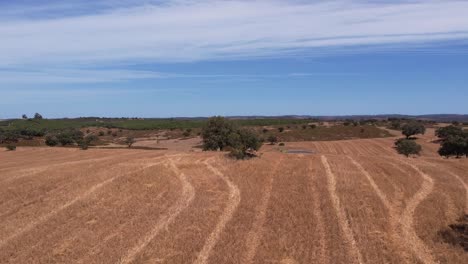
[{"x": 413, "y": 128}]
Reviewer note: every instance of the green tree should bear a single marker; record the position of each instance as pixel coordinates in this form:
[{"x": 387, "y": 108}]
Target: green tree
[
  {"x": 24, "y": 116},
  {"x": 37, "y": 116},
  {"x": 448, "y": 131},
  {"x": 221, "y": 134},
  {"x": 216, "y": 132},
  {"x": 413, "y": 128},
  {"x": 454, "y": 146},
  {"x": 407, "y": 147}
]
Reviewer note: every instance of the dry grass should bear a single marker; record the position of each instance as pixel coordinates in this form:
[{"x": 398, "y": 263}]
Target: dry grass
[{"x": 352, "y": 201}]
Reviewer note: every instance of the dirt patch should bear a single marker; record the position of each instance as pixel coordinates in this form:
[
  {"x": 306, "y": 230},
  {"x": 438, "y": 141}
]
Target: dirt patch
[{"x": 457, "y": 234}]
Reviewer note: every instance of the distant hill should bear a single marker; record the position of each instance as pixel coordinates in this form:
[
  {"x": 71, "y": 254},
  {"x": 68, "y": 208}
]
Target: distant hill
[{"x": 434, "y": 117}]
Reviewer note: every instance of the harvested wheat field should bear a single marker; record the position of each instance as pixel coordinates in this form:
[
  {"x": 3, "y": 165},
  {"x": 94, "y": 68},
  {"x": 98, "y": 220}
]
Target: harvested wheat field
[{"x": 351, "y": 201}]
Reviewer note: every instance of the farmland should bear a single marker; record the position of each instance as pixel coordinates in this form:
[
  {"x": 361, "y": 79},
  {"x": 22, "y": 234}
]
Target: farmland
[{"x": 350, "y": 201}]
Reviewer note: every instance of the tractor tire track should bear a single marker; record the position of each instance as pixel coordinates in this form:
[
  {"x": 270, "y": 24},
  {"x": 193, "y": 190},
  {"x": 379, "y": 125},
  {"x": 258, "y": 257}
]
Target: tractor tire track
[
  {"x": 320, "y": 228},
  {"x": 396, "y": 234},
  {"x": 83, "y": 196},
  {"x": 411, "y": 239},
  {"x": 256, "y": 233},
  {"x": 188, "y": 194},
  {"x": 232, "y": 204},
  {"x": 341, "y": 215}
]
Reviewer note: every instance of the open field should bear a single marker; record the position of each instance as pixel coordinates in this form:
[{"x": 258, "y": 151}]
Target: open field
[{"x": 351, "y": 201}]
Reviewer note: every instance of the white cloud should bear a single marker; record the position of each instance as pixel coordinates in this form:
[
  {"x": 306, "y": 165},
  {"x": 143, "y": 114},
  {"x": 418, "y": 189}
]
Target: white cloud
[{"x": 216, "y": 30}]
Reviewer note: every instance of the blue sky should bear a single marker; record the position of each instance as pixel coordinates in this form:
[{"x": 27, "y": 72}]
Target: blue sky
[{"x": 209, "y": 57}]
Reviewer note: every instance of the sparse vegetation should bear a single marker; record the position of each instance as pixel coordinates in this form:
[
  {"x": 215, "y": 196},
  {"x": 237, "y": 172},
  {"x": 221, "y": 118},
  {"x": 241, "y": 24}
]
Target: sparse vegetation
[
  {"x": 272, "y": 139},
  {"x": 129, "y": 141},
  {"x": 10, "y": 147}
]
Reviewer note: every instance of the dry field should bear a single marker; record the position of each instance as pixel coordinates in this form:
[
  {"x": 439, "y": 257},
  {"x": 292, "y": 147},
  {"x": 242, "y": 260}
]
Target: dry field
[{"x": 352, "y": 201}]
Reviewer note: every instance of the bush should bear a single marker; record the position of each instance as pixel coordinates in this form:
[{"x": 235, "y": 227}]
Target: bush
[
  {"x": 304, "y": 126},
  {"x": 313, "y": 126},
  {"x": 101, "y": 133},
  {"x": 51, "y": 141},
  {"x": 11, "y": 147},
  {"x": 281, "y": 144},
  {"x": 9, "y": 136},
  {"x": 83, "y": 145},
  {"x": 407, "y": 147},
  {"x": 130, "y": 141},
  {"x": 396, "y": 125},
  {"x": 186, "y": 133},
  {"x": 413, "y": 128},
  {"x": 281, "y": 129},
  {"x": 90, "y": 140},
  {"x": 272, "y": 139},
  {"x": 265, "y": 130}
]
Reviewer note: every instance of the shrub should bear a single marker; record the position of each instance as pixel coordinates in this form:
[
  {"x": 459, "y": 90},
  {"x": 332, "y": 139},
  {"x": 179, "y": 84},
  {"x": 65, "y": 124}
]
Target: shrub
[
  {"x": 51, "y": 141},
  {"x": 24, "y": 116},
  {"x": 281, "y": 129},
  {"x": 281, "y": 144},
  {"x": 9, "y": 136},
  {"x": 186, "y": 133},
  {"x": 313, "y": 126},
  {"x": 407, "y": 147},
  {"x": 64, "y": 139},
  {"x": 109, "y": 132},
  {"x": 304, "y": 126},
  {"x": 413, "y": 128},
  {"x": 272, "y": 139},
  {"x": 114, "y": 134},
  {"x": 10, "y": 147},
  {"x": 101, "y": 133},
  {"x": 130, "y": 141},
  {"x": 83, "y": 145},
  {"x": 396, "y": 125},
  {"x": 265, "y": 130},
  {"x": 243, "y": 142}
]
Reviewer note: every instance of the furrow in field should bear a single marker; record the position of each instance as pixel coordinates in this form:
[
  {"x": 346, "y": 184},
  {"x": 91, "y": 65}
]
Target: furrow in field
[
  {"x": 233, "y": 202},
  {"x": 253, "y": 238},
  {"x": 188, "y": 193},
  {"x": 344, "y": 223}
]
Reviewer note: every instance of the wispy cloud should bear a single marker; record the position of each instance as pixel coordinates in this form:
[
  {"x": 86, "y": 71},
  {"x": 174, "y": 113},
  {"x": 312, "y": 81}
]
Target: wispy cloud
[{"x": 171, "y": 31}]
